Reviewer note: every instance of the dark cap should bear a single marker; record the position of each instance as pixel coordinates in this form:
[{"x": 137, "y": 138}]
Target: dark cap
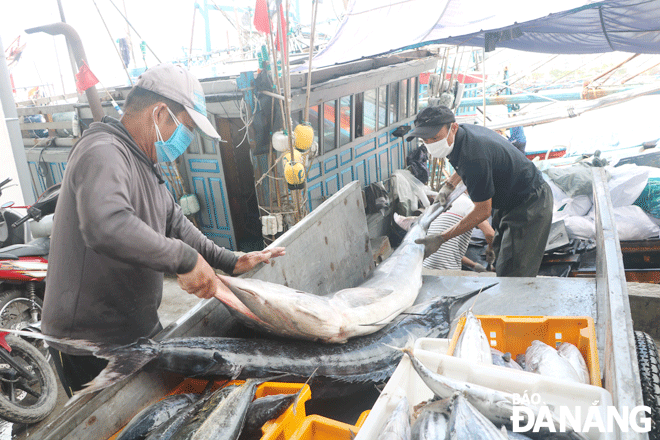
[{"x": 429, "y": 122}]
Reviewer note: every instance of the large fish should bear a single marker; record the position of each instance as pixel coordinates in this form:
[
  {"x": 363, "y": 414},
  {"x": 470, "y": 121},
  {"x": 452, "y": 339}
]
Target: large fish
[
  {"x": 390, "y": 289},
  {"x": 360, "y": 360},
  {"x": 545, "y": 360}
]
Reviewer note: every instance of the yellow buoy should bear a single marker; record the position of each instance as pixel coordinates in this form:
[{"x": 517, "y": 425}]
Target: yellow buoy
[
  {"x": 294, "y": 170},
  {"x": 304, "y": 136}
]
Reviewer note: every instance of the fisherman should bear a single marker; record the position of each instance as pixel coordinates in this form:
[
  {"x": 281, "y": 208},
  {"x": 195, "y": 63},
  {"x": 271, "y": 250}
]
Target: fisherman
[
  {"x": 499, "y": 178},
  {"x": 118, "y": 229},
  {"x": 517, "y": 138},
  {"x": 451, "y": 255}
]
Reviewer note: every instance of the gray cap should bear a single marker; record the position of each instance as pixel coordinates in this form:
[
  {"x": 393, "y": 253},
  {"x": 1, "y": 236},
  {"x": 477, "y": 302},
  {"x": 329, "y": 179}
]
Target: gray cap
[{"x": 176, "y": 83}]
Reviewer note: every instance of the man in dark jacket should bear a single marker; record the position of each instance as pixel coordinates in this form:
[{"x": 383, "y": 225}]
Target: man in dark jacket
[
  {"x": 499, "y": 179},
  {"x": 117, "y": 228}
]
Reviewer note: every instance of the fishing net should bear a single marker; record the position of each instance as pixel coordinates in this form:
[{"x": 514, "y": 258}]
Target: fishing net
[{"x": 649, "y": 199}]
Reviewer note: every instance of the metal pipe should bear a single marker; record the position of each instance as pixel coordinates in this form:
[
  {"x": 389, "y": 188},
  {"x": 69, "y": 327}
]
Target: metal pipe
[
  {"x": 74, "y": 40},
  {"x": 14, "y": 129}
]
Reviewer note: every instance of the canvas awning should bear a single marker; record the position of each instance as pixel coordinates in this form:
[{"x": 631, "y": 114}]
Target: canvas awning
[{"x": 376, "y": 27}]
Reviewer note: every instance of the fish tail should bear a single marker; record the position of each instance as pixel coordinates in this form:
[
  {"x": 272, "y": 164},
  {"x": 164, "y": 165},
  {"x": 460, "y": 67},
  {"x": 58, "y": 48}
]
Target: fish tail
[{"x": 123, "y": 361}]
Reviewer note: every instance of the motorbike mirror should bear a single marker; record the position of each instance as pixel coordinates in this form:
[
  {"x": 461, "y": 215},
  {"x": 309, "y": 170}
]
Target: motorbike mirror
[{"x": 7, "y": 205}]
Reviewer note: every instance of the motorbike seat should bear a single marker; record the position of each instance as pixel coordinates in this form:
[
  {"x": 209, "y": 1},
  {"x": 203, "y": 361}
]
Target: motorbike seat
[{"x": 36, "y": 248}]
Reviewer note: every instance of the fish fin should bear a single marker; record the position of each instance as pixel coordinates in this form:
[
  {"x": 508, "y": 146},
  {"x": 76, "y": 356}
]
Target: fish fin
[
  {"x": 80, "y": 344},
  {"x": 459, "y": 298},
  {"x": 123, "y": 361},
  {"x": 299, "y": 393}
]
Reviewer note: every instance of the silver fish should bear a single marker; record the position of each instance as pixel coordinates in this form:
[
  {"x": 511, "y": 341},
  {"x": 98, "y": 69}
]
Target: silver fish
[
  {"x": 397, "y": 425},
  {"x": 473, "y": 344},
  {"x": 432, "y": 423},
  {"x": 155, "y": 415},
  {"x": 391, "y": 288},
  {"x": 504, "y": 359},
  {"x": 572, "y": 354},
  {"x": 466, "y": 422},
  {"x": 545, "y": 360},
  {"x": 182, "y": 425},
  {"x": 496, "y": 406},
  {"x": 226, "y": 420}
]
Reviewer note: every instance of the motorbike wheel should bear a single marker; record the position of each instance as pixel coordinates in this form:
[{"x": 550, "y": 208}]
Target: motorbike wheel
[
  {"x": 15, "y": 314},
  {"x": 21, "y": 400}
]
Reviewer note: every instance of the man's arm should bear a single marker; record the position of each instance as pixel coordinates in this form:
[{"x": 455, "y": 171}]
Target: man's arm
[{"x": 479, "y": 213}]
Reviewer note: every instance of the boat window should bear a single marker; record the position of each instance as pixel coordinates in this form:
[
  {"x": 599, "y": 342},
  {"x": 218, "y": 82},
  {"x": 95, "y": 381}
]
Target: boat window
[
  {"x": 423, "y": 95},
  {"x": 404, "y": 111},
  {"x": 382, "y": 107},
  {"x": 369, "y": 112},
  {"x": 329, "y": 125},
  {"x": 314, "y": 121},
  {"x": 345, "y": 120},
  {"x": 195, "y": 145},
  {"x": 394, "y": 102},
  {"x": 359, "y": 114},
  {"x": 412, "y": 96}
]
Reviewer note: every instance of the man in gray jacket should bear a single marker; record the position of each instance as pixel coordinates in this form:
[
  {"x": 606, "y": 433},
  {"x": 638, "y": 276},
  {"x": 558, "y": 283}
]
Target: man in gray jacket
[{"x": 117, "y": 228}]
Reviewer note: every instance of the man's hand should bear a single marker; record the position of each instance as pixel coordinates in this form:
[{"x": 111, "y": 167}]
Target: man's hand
[
  {"x": 246, "y": 262},
  {"x": 201, "y": 281},
  {"x": 431, "y": 243},
  {"x": 444, "y": 193},
  {"x": 490, "y": 254},
  {"x": 479, "y": 268}
]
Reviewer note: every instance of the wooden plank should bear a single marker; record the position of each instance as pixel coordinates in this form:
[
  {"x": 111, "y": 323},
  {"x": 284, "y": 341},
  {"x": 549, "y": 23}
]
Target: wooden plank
[
  {"x": 45, "y": 109},
  {"x": 64, "y": 125}
]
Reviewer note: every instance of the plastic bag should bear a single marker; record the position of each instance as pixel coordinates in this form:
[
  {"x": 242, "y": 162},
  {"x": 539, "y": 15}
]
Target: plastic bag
[
  {"x": 632, "y": 223},
  {"x": 574, "y": 180},
  {"x": 580, "y": 227},
  {"x": 626, "y": 184}
]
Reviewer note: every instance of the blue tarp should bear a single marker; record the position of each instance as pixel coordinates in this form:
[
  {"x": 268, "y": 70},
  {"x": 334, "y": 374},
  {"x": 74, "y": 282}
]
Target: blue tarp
[{"x": 376, "y": 27}]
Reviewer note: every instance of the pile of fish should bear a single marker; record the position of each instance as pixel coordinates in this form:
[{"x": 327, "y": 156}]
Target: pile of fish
[
  {"x": 228, "y": 413},
  {"x": 462, "y": 410},
  {"x": 565, "y": 362},
  {"x": 391, "y": 288}
]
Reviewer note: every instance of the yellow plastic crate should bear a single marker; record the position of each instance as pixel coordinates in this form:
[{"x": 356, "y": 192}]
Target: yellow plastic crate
[
  {"x": 316, "y": 427},
  {"x": 513, "y": 334}
]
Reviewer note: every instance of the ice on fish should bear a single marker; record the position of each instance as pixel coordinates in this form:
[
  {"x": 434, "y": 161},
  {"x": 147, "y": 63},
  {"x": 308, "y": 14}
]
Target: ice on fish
[
  {"x": 571, "y": 353},
  {"x": 473, "y": 344},
  {"x": 545, "y": 360}
]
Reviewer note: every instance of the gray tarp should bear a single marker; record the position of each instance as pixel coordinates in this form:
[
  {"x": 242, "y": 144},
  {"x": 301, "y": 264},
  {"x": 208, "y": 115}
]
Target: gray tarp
[{"x": 374, "y": 27}]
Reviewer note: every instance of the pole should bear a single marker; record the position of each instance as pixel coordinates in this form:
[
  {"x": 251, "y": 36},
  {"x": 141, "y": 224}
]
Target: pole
[
  {"x": 72, "y": 58},
  {"x": 14, "y": 130},
  {"x": 483, "y": 81},
  {"x": 192, "y": 33},
  {"x": 311, "y": 53}
]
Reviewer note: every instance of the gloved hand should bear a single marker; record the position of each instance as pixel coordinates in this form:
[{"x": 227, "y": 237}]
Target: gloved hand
[
  {"x": 431, "y": 243},
  {"x": 444, "y": 193},
  {"x": 490, "y": 254},
  {"x": 479, "y": 268}
]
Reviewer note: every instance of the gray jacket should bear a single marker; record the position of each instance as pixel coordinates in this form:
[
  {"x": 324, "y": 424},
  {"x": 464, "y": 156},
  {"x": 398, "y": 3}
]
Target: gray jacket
[{"x": 116, "y": 231}]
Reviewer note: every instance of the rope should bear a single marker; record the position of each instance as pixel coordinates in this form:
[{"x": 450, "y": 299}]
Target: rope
[{"x": 192, "y": 34}]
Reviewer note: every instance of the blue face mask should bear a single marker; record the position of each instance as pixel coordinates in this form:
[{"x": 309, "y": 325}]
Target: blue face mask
[{"x": 169, "y": 150}]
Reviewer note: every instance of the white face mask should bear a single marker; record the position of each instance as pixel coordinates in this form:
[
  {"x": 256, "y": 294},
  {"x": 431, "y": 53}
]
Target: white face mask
[{"x": 441, "y": 148}]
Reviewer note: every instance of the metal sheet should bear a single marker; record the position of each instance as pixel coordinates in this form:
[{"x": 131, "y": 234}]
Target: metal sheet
[{"x": 618, "y": 358}]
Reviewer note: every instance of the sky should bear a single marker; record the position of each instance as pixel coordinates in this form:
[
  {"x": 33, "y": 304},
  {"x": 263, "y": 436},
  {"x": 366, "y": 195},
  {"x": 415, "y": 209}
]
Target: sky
[{"x": 165, "y": 25}]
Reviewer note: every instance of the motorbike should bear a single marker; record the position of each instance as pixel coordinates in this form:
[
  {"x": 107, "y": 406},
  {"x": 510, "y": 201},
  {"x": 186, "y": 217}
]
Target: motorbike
[
  {"x": 28, "y": 386},
  {"x": 8, "y": 234},
  {"x": 23, "y": 269}
]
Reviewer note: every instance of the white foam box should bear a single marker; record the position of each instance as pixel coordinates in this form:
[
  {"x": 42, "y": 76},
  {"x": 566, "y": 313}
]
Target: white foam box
[{"x": 431, "y": 352}]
